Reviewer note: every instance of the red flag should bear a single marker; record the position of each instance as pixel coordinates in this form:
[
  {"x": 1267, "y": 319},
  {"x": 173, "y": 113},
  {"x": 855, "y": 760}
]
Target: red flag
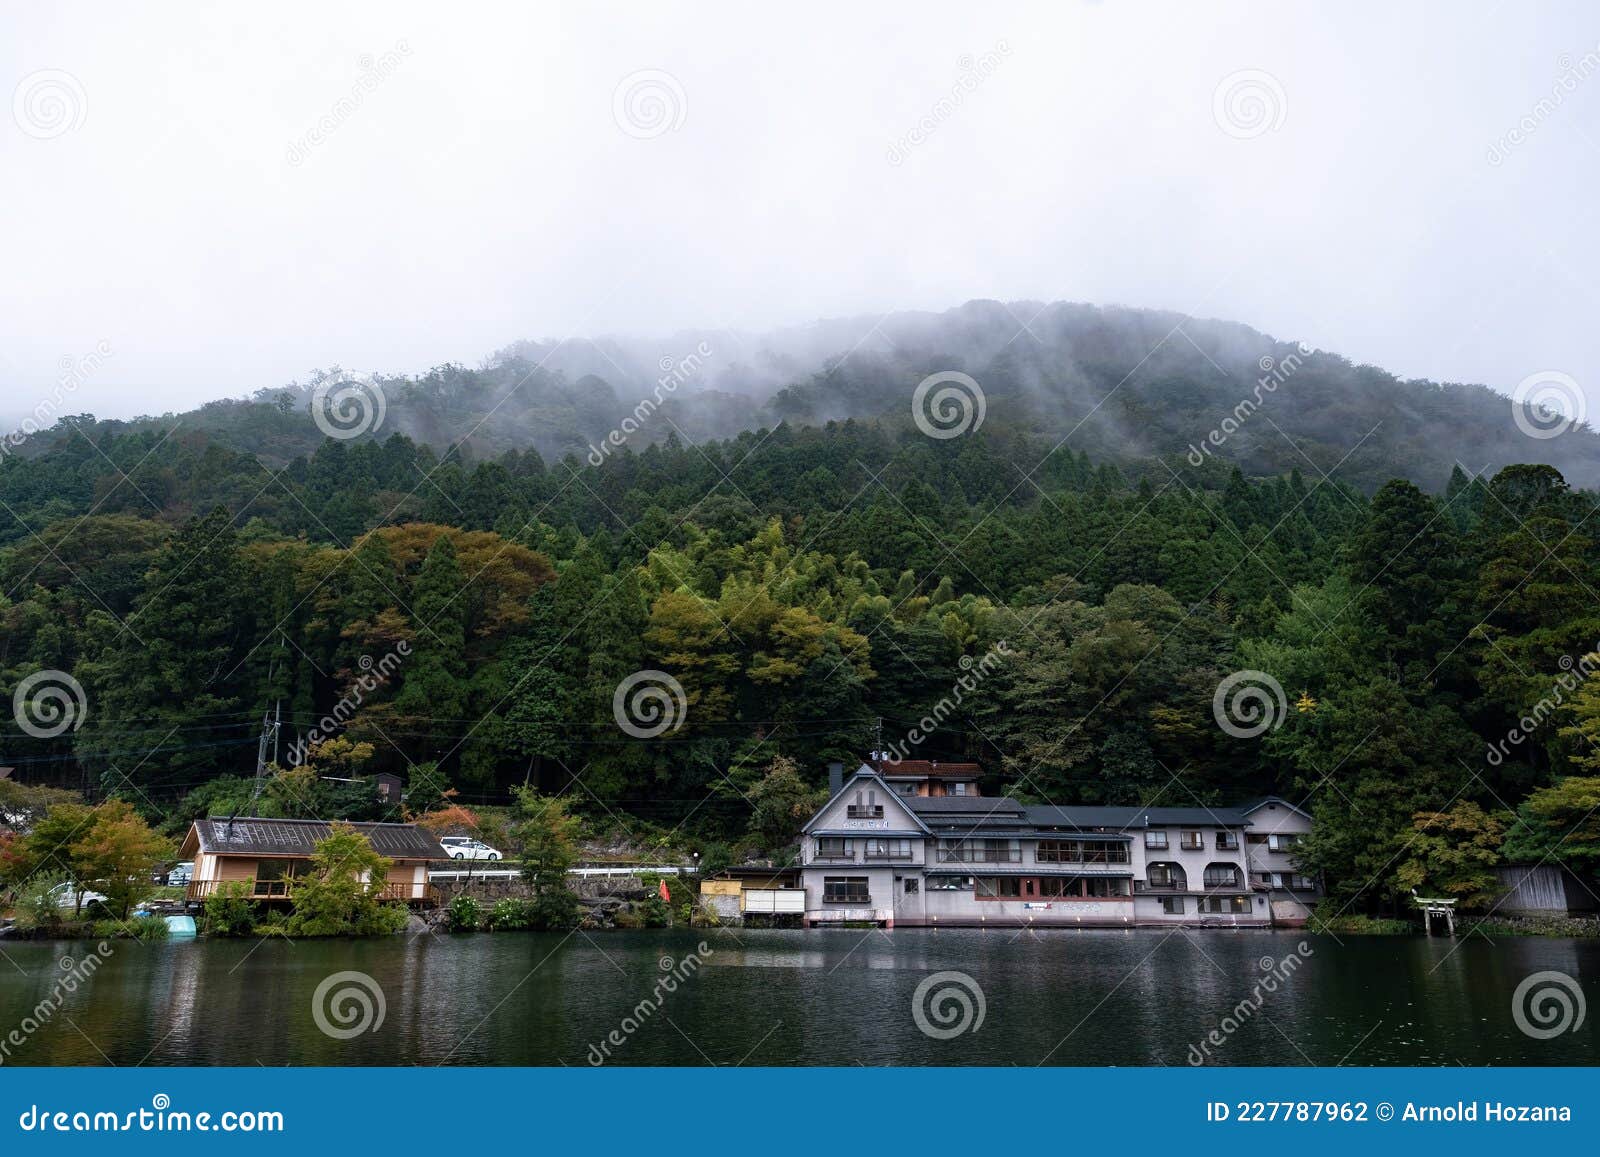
[{"x": 665, "y": 895}]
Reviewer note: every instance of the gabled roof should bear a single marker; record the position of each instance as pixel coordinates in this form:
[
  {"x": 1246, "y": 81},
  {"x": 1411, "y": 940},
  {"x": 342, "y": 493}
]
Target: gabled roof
[
  {"x": 1257, "y": 804},
  {"x": 256, "y": 836},
  {"x": 865, "y": 773}
]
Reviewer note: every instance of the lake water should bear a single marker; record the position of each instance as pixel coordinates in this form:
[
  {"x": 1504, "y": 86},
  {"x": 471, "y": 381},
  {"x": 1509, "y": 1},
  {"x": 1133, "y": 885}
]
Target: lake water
[{"x": 837, "y": 997}]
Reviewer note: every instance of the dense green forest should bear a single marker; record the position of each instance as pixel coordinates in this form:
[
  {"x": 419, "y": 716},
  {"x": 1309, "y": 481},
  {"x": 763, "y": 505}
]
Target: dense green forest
[{"x": 814, "y": 591}]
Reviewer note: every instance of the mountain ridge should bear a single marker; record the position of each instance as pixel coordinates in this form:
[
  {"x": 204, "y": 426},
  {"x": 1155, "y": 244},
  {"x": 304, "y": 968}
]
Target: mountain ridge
[{"x": 1129, "y": 385}]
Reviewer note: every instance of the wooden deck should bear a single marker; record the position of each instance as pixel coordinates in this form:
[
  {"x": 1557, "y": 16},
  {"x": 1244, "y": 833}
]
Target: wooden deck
[{"x": 278, "y": 890}]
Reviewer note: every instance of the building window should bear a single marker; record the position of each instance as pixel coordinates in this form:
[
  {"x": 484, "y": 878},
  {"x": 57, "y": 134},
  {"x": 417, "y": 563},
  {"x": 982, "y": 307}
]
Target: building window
[
  {"x": 1156, "y": 841},
  {"x": 1104, "y": 887},
  {"x": 1104, "y": 852},
  {"x": 980, "y": 851},
  {"x": 1302, "y": 883},
  {"x": 949, "y": 883},
  {"x": 1193, "y": 841},
  {"x": 866, "y": 807},
  {"x": 958, "y": 788},
  {"x": 911, "y": 886},
  {"x": 1058, "y": 852},
  {"x": 1227, "y": 842},
  {"x": 1172, "y": 905},
  {"x": 1160, "y": 876},
  {"x": 879, "y": 849},
  {"x": 1224, "y": 905},
  {"x": 835, "y": 848},
  {"x": 1284, "y": 842},
  {"x": 998, "y": 887},
  {"x": 1222, "y": 876},
  {"x": 845, "y": 890},
  {"x": 273, "y": 876}
]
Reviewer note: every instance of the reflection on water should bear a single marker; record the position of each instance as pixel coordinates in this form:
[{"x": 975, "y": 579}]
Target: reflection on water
[{"x": 790, "y": 997}]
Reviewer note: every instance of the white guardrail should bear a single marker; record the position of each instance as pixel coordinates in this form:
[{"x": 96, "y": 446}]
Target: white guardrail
[{"x": 507, "y": 873}]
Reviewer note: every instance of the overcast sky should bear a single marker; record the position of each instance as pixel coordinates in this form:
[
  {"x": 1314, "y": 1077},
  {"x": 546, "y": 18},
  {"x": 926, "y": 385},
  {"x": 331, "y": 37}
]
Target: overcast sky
[{"x": 226, "y": 197}]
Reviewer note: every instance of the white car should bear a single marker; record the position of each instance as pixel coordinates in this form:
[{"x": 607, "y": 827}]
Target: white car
[
  {"x": 67, "y": 898},
  {"x": 467, "y": 848}
]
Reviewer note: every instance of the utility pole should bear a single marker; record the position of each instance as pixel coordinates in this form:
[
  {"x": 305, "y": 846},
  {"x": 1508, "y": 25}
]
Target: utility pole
[{"x": 269, "y": 734}]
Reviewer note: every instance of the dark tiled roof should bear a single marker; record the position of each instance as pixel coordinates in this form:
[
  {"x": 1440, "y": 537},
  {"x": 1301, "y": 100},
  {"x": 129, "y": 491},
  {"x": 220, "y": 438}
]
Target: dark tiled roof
[
  {"x": 997, "y": 805},
  {"x": 253, "y": 836},
  {"x": 1127, "y": 818}
]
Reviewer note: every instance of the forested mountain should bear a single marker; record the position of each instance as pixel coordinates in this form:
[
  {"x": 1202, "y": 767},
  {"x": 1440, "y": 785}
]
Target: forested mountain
[
  {"x": 1128, "y": 386},
  {"x": 803, "y": 592}
]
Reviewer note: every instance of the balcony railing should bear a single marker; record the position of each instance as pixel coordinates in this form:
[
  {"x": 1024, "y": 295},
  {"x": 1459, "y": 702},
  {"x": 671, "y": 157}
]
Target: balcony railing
[
  {"x": 409, "y": 890},
  {"x": 1169, "y": 885},
  {"x": 1115, "y": 855},
  {"x": 884, "y": 855},
  {"x": 846, "y": 898},
  {"x": 979, "y": 856}
]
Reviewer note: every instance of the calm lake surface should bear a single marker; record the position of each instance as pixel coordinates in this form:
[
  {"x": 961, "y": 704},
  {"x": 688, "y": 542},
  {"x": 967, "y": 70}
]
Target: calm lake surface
[{"x": 799, "y": 997}]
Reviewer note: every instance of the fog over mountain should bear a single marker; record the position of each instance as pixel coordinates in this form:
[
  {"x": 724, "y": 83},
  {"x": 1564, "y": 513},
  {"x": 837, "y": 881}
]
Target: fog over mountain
[
  {"x": 412, "y": 187},
  {"x": 1126, "y": 385}
]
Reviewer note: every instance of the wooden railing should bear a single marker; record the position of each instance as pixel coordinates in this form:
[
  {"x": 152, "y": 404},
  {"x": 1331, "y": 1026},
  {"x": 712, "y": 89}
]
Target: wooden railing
[{"x": 408, "y": 890}]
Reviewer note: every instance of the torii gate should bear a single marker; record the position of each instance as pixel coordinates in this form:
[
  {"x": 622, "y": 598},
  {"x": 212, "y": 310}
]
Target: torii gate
[{"x": 1432, "y": 906}]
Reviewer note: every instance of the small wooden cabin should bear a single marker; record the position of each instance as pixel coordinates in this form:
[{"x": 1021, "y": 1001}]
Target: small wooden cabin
[{"x": 267, "y": 854}]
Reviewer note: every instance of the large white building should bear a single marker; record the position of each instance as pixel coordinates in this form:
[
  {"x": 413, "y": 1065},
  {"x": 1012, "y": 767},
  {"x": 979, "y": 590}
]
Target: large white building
[{"x": 915, "y": 844}]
